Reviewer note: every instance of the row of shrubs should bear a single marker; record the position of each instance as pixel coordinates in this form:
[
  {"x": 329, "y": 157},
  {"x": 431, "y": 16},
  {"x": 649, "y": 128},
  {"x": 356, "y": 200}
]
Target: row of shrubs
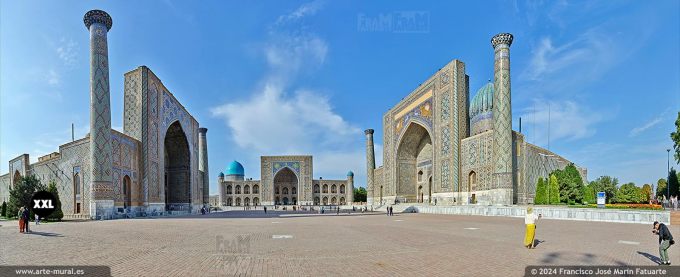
[
  {"x": 566, "y": 186},
  {"x": 631, "y": 206}
]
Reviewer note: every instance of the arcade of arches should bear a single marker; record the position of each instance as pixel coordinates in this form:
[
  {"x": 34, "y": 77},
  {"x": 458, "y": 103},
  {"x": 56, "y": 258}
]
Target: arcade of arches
[{"x": 286, "y": 180}]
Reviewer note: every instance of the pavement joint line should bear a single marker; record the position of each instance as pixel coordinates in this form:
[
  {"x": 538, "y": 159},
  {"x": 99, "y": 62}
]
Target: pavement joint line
[
  {"x": 629, "y": 242},
  {"x": 471, "y": 228},
  {"x": 398, "y": 220},
  {"x": 282, "y": 236}
]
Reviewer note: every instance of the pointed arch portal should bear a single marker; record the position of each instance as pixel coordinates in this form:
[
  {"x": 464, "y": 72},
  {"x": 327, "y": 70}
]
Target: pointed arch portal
[
  {"x": 415, "y": 146},
  {"x": 177, "y": 169}
]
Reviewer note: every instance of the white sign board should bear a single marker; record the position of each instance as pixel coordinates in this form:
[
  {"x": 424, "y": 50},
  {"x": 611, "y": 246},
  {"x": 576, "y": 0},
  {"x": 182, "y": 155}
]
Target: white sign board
[{"x": 601, "y": 199}]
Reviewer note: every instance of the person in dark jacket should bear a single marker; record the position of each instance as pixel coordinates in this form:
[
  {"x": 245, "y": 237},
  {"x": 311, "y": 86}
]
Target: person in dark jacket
[
  {"x": 26, "y": 217},
  {"x": 665, "y": 241}
]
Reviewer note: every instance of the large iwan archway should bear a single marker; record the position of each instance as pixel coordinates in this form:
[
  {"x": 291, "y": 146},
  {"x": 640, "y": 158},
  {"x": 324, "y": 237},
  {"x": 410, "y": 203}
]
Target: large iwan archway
[
  {"x": 177, "y": 169},
  {"x": 415, "y": 147},
  {"x": 285, "y": 187}
]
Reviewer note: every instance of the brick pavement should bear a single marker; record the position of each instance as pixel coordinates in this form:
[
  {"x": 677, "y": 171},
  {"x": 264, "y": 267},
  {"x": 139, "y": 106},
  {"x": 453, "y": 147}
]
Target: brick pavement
[{"x": 241, "y": 243}]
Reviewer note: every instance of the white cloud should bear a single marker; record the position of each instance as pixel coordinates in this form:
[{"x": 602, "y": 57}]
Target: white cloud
[
  {"x": 67, "y": 50},
  {"x": 53, "y": 78},
  {"x": 653, "y": 122},
  {"x": 591, "y": 52},
  {"x": 304, "y": 10},
  {"x": 282, "y": 117},
  {"x": 287, "y": 54},
  {"x": 558, "y": 120},
  {"x": 272, "y": 121}
]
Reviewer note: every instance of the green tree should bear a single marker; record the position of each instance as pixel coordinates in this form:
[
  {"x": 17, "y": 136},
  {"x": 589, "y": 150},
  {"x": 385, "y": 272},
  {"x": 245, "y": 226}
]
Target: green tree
[
  {"x": 360, "y": 194},
  {"x": 21, "y": 193},
  {"x": 553, "y": 190},
  {"x": 541, "y": 192},
  {"x": 647, "y": 192},
  {"x": 629, "y": 193},
  {"x": 661, "y": 186},
  {"x": 673, "y": 182},
  {"x": 675, "y": 137},
  {"x": 570, "y": 183},
  {"x": 606, "y": 184},
  {"x": 57, "y": 214},
  {"x": 4, "y": 209},
  {"x": 589, "y": 196}
]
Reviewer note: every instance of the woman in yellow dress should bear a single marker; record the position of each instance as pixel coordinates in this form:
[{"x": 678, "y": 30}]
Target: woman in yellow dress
[{"x": 530, "y": 221}]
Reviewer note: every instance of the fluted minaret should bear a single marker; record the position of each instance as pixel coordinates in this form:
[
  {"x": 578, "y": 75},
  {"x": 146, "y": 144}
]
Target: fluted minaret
[
  {"x": 203, "y": 163},
  {"x": 220, "y": 189},
  {"x": 370, "y": 163},
  {"x": 101, "y": 159},
  {"x": 350, "y": 186},
  {"x": 502, "y": 115}
]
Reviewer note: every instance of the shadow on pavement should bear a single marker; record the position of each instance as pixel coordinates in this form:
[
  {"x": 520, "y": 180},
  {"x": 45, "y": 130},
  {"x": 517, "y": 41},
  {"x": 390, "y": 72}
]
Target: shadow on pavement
[
  {"x": 44, "y": 234},
  {"x": 537, "y": 242},
  {"x": 565, "y": 257},
  {"x": 651, "y": 257}
]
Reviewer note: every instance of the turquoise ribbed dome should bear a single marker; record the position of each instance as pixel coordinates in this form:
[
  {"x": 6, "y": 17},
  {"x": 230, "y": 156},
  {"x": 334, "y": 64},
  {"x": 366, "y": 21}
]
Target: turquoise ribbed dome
[
  {"x": 221, "y": 174},
  {"x": 483, "y": 100},
  {"x": 235, "y": 168},
  {"x": 350, "y": 173}
]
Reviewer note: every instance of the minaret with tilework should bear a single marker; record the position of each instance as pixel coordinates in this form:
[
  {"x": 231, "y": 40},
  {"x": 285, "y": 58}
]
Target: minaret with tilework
[
  {"x": 502, "y": 120},
  {"x": 203, "y": 163},
  {"x": 370, "y": 164},
  {"x": 101, "y": 153}
]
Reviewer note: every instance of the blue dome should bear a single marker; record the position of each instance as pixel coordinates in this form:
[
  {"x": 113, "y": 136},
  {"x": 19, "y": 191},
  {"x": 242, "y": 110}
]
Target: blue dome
[
  {"x": 221, "y": 174},
  {"x": 350, "y": 173},
  {"x": 235, "y": 168},
  {"x": 483, "y": 101}
]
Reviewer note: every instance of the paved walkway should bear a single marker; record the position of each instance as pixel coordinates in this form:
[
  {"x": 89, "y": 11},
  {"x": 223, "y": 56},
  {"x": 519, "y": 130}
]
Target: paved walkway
[{"x": 284, "y": 244}]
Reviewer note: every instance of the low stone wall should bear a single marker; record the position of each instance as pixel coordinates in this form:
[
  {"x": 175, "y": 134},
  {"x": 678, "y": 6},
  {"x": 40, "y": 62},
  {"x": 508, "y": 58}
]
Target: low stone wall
[{"x": 563, "y": 213}]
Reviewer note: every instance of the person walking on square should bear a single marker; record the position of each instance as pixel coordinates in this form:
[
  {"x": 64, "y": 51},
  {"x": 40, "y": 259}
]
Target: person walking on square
[
  {"x": 37, "y": 220},
  {"x": 26, "y": 218},
  {"x": 530, "y": 222},
  {"x": 20, "y": 216},
  {"x": 665, "y": 241},
  {"x": 671, "y": 201}
]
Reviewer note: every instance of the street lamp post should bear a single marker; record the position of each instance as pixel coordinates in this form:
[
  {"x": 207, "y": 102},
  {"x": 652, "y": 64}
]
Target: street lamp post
[{"x": 668, "y": 172}]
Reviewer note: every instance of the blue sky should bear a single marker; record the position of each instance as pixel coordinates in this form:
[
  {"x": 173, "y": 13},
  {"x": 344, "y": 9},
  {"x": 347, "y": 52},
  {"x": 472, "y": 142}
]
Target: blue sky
[{"x": 307, "y": 77}]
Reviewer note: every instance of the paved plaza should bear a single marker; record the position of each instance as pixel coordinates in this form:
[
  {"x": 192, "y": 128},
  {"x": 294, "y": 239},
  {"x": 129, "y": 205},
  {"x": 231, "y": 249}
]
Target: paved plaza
[{"x": 285, "y": 244}]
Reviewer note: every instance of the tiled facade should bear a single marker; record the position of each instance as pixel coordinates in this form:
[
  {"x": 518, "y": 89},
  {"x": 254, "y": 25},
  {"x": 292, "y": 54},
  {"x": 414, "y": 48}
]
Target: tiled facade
[
  {"x": 110, "y": 172},
  {"x": 430, "y": 153},
  {"x": 285, "y": 180}
]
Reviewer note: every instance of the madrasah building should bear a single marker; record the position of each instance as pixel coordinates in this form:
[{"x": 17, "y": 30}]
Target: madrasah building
[
  {"x": 157, "y": 164},
  {"x": 286, "y": 180},
  {"x": 440, "y": 147}
]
